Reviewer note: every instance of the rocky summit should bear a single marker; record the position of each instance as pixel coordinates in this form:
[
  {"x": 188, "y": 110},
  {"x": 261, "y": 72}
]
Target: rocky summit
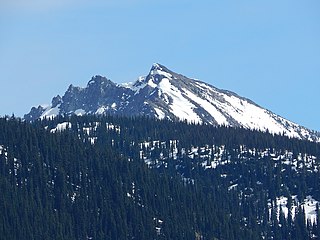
[{"x": 164, "y": 94}]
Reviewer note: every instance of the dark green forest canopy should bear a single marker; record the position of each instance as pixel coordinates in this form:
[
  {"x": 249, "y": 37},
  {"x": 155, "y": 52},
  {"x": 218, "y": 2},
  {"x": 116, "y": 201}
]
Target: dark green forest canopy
[
  {"x": 144, "y": 128},
  {"x": 62, "y": 185}
]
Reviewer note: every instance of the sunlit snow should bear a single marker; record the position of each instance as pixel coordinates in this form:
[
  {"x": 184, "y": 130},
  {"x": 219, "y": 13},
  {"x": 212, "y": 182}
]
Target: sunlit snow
[
  {"x": 152, "y": 84},
  {"x": 159, "y": 71},
  {"x": 209, "y": 107},
  {"x": 80, "y": 112},
  {"x": 50, "y": 112},
  {"x": 160, "y": 113},
  {"x": 114, "y": 105},
  {"x": 194, "y": 101},
  {"x": 309, "y": 205},
  {"x": 181, "y": 107},
  {"x": 61, "y": 127},
  {"x": 101, "y": 110}
]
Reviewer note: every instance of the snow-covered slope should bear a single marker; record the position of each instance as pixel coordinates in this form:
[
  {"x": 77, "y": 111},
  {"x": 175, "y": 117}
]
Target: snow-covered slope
[{"x": 166, "y": 94}]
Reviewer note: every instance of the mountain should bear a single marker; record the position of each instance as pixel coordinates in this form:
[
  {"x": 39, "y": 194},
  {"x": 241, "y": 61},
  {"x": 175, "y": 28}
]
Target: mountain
[{"x": 164, "y": 94}]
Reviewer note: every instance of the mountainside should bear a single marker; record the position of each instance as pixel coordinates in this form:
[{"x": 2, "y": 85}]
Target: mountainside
[
  {"x": 164, "y": 94},
  {"x": 113, "y": 177}
]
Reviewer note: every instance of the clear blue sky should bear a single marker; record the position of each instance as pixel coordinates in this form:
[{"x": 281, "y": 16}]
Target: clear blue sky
[{"x": 268, "y": 51}]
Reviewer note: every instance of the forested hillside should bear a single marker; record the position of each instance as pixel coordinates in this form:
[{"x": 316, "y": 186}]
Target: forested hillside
[{"x": 111, "y": 177}]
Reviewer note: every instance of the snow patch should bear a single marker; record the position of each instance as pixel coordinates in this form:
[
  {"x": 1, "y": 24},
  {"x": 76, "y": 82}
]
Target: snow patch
[
  {"x": 101, "y": 110},
  {"x": 50, "y": 112},
  {"x": 158, "y": 70},
  {"x": 162, "y": 73},
  {"x": 251, "y": 116},
  {"x": 181, "y": 107},
  {"x": 80, "y": 112},
  {"x": 160, "y": 113},
  {"x": 114, "y": 105},
  {"x": 152, "y": 84},
  {"x": 247, "y": 114},
  {"x": 209, "y": 107},
  {"x": 61, "y": 127},
  {"x": 309, "y": 204}
]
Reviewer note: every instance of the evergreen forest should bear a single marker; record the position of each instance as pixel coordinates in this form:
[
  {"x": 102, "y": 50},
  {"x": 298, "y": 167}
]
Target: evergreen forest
[{"x": 114, "y": 177}]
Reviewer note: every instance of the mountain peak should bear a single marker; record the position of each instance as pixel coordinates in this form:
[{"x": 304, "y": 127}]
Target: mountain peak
[
  {"x": 169, "y": 95},
  {"x": 99, "y": 80},
  {"x": 157, "y": 66},
  {"x": 159, "y": 70},
  {"x": 56, "y": 101}
]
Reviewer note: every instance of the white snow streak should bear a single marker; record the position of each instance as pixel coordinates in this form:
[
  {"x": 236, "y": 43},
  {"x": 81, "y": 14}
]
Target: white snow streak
[
  {"x": 248, "y": 114},
  {"x": 160, "y": 113},
  {"x": 209, "y": 107},
  {"x": 160, "y": 72},
  {"x": 50, "y": 112},
  {"x": 180, "y": 106}
]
